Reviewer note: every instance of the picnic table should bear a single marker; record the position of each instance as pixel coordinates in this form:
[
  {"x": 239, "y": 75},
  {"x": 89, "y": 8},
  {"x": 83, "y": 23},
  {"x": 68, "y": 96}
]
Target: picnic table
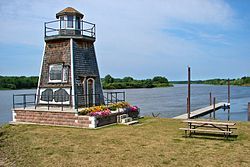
[{"x": 209, "y": 127}]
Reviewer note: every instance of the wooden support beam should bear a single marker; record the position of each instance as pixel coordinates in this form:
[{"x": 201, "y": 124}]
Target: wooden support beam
[
  {"x": 214, "y": 108},
  {"x": 248, "y": 111},
  {"x": 228, "y": 86},
  {"x": 210, "y": 98},
  {"x": 189, "y": 92}
]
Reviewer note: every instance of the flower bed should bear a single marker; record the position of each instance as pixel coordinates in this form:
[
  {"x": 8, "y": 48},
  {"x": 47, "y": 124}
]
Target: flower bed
[
  {"x": 106, "y": 120},
  {"x": 133, "y": 112},
  {"x": 108, "y": 114}
]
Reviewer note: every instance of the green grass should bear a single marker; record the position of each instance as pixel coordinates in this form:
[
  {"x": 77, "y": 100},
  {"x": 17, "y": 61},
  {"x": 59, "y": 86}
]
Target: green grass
[{"x": 156, "y": 142}]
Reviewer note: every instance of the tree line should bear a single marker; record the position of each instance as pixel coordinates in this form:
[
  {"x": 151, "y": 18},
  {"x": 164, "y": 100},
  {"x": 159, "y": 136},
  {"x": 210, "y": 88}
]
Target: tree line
[
  {"x": 108, "y": 82},
  {"x": 22, "y": 82},
  {"x": 244, "y": 81}
]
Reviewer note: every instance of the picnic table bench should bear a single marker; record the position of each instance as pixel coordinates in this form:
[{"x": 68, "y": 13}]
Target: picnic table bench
[{"x": 209, "y": 127}]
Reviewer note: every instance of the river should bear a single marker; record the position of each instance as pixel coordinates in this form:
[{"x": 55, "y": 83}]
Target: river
[{"x": 169, "y": 102}]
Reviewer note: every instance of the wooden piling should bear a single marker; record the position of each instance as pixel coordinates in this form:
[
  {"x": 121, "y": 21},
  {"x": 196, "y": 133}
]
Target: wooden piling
[
  {"x": 210, "y": 98},
  {"x": 189, "y": 92},
  {"x": 228, "y": 101},
  {"x": 228, "y": 90},
  {"x": 248, "y": 111},
  {"x": 214, "y": 108}
]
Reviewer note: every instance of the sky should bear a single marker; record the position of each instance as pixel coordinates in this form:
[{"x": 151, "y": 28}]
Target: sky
[{"x": 142, "y": 38}]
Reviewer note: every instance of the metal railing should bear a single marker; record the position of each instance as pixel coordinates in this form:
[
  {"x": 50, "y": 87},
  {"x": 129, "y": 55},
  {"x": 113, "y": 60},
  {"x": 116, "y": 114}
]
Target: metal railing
[
  {"x": 114, "y": 97},
  {"x": 88, "y": 100},
  {"x": 69, "y": 27},
  {"x": 24, "y": 100},
  {"x": 62, "y": 101}
]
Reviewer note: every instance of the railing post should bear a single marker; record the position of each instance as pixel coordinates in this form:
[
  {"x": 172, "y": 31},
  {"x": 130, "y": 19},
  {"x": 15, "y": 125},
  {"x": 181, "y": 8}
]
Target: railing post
[
  {"x": 70, "y": 99},
  {"x": 107, "y": 98},
  {"x": 82, "y": 29},
  {"x": 13, "y": 101},
  {"x": 124, "y": 98},
  {"x": 60, "y": 25},
  {"x": 100, "y": 99},
  {"x": 24, "y": 101},
  {"x": 38, "y": 96},
  {"x": 35, "y": 96},
  {"x": 62, "y": 102},
  {"x": 76, "y": 103},
  {"x": 45, "y": 29},
  {"x": 116, "y": 97},
  {"x": 48, "y": 102},
  {"x": 86, "y": 100}
]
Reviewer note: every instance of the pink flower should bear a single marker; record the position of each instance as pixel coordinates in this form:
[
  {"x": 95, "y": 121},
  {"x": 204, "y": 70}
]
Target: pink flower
[
  {"x": 100, "y": 113},
  {"x": 134, "y": 108}
]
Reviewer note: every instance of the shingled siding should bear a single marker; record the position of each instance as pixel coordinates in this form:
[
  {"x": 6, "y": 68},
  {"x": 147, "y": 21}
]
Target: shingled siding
[
  {"x": 85, "y": 66},
  {"x": 56, "y": 51},
  {"x": 51, "y": 118}
]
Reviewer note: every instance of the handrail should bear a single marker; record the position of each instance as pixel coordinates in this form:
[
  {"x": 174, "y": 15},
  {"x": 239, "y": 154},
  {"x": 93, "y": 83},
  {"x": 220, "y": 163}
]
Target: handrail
[
  {"x": 81, "y": 100},
  {"x": 56, "y": 27}
]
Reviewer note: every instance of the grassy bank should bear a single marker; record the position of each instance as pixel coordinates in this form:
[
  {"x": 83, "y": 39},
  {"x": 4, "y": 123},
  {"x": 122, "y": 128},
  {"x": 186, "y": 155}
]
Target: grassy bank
[
  {"x": 157, "y": 142},
  {"x": 244, "y": 81}
]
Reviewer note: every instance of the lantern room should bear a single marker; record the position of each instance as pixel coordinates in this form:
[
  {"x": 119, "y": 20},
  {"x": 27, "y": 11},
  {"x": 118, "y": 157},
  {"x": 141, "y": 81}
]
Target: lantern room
[{"x": 69, "y": 22}]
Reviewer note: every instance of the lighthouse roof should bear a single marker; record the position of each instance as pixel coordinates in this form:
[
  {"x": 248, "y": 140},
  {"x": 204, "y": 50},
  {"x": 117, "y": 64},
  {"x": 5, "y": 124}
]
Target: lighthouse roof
[{"x": 69, "y": 11}]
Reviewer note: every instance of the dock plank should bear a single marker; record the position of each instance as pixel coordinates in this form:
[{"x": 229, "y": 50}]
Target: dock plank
[{"x": 202, "y": 111}]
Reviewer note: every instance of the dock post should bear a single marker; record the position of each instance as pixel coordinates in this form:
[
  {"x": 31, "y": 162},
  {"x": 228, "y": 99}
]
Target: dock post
[
  {"x": 187, "y": 105},
  {"x": 210, "y": 98},
  {"x": 189, "y": 90},
  {"x": 214, "y": 108},
  {"x": 248, "y": 111},
  {"x": 228, "y": 90},
  {"x": 228, "y": 100}
]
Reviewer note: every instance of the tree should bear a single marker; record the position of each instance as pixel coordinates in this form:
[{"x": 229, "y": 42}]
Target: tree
[
  {"x": 159, "y": 79},
  {"x": 148, "y": 83},
  {"x": 128, "y": 79},
  {"x": 108, "y": 79}
]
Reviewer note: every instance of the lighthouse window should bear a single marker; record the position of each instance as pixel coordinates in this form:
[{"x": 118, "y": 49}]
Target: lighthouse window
[
  {"x": 65, "y": 74},
  {"x": 62, "y": 22},
  {"x": 55, "y": 73},
  {"x": 58, "y": 73},
  {"x": 77, "y": 22},
  {"x": 70, "y": 21}
]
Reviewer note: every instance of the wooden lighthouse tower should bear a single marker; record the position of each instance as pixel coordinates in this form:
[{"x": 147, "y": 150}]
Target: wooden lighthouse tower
[{"x": 69, "y": 72}]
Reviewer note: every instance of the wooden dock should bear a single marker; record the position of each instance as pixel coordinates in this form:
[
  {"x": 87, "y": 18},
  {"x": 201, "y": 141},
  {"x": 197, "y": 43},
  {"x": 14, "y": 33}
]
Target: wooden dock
[{"x": 203, "y": 111}]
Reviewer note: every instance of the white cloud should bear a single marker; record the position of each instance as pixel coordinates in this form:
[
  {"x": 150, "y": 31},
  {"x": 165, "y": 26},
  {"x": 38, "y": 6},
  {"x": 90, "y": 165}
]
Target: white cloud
[{"x": 129, "y": 33}]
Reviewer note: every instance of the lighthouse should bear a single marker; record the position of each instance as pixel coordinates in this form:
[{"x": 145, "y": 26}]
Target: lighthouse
[
  {"x": 69, "y": 73},
  {"x": 69, "y": 91}
]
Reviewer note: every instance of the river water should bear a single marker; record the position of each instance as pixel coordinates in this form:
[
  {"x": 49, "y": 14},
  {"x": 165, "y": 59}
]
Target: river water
[{"x": 169, "y": 102}]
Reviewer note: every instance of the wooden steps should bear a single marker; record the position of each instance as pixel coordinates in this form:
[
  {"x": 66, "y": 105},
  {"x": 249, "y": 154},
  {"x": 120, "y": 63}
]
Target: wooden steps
[
  {"x": 125, "y": 120},
  {"x": 131, "y": 123}
]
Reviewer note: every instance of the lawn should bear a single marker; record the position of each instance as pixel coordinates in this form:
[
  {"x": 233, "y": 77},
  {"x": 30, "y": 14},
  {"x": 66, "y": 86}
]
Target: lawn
[{"x": 154, "y": 142}]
